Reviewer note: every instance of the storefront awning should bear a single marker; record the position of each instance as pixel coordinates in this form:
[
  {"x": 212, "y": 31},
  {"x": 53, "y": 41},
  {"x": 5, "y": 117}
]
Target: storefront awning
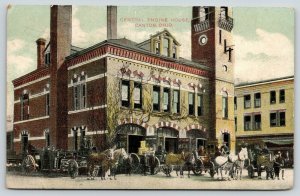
[{"x": 279, "y": 141}]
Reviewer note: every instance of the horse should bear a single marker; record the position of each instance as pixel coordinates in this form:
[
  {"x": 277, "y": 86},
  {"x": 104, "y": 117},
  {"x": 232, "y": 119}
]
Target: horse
[
  {"x": 228, "y": 162},
  {"x": 95, "y": 160},
  {"x": 110, "y": 166},
  {"x": 239, "y": 164},
  {"x": 179, "y": 161}
]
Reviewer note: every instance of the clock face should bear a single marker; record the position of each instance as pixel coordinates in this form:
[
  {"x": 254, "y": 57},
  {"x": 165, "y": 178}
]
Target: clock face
[{"x": 202, "y": 40}]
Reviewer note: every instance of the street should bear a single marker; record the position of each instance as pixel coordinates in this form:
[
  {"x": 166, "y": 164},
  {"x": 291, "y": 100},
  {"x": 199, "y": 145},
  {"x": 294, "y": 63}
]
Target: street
[{"x": 158, "y": 181}]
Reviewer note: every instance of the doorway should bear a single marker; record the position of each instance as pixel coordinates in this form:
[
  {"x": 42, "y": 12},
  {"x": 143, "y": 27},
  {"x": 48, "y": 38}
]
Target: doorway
[
  {"x": 171, "y": 145},
  {"x": 134, "y": 142}
]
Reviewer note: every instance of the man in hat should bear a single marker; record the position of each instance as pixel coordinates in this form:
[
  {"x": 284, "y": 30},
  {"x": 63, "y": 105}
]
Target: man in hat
[{"x": 278, "y": 163}]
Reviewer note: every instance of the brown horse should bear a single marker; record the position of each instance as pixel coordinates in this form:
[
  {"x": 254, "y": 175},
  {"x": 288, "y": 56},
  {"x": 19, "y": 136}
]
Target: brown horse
[
  {"x": 96, "y": 161},
  {"x": 178, "y": 161}
]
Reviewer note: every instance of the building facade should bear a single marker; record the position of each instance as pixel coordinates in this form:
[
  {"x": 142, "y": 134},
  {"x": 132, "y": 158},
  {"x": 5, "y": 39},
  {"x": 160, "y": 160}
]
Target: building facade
[
  {"x": 264, "y": 114},
  {"x": 122, "y": 92}
]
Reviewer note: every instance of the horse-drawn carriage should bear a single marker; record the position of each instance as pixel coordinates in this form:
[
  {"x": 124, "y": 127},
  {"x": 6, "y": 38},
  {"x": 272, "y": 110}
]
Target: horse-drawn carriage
[
  {"x": 260, "y": 162},
  {"x": 53, "y": 161}
]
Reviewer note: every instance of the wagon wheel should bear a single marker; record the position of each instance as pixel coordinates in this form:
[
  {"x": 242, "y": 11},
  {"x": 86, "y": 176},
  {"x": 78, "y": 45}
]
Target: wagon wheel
[
  {"x": 212, "y": 169},
  {"x": 157, "y": 165},
  {"x": 28, "y": 164},
  {"x": 197, "y": 169},
  {"x": 135, "y": 163},
  {"x": 250, "y": 171},
  {"x": 73, "y": 168}
]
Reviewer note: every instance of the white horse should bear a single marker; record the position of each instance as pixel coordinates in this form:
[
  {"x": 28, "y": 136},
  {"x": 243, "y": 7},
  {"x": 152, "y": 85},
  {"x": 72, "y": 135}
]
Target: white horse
[
  {"x": 240, "y": 162},
  {"x": 230, "y": 162}
]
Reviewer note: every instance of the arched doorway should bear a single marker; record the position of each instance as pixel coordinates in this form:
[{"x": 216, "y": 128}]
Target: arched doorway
[
  {"x": 226, "y": 139},
  {"x": 197, "y": 138},
  {"x": 168, "y": 139},
  {"x": 129, "y": 136}
]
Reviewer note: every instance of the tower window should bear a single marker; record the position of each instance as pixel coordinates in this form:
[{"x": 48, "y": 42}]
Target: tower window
[
  {"x": 47, "y": 104},
  {"x": 220, "y": 36},
  {"x": 203, "y": 14},
  {"x": 225, "y": 68},
  {"x": 225, "y": 105},
  {"x": 235, "y": 103},
  {"x": 224, "y": 12}
]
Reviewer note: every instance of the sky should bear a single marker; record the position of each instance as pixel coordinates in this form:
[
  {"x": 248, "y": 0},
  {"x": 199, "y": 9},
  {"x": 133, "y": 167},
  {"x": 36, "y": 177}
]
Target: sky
[{"x": 263, "y": 37}]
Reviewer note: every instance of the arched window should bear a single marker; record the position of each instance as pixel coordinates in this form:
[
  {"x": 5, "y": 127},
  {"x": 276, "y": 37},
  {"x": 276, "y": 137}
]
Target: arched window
[{"x": 224, "y": 104}]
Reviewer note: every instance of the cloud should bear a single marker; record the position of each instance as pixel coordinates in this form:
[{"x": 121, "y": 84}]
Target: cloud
[
  {"x": 84, "y": 39},
  {"x": 270, "y": 55}
]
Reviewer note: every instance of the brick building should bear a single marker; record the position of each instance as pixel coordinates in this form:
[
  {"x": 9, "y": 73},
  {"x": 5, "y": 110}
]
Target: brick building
[{"x": 125, "y": 92}]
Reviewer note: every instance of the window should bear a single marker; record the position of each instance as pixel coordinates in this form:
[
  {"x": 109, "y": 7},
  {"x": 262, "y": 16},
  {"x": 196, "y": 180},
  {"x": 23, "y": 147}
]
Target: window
[
  {"x": 166, "y": 100},
  {"x": 47, "y": 58},
  {"x": 79, "y": 92},
  {"x": 200, "y": 105},
  {"x": 277, "y": 118},
  {"x": 174, "y": 50},
  {"x": 273, "y": 119},
  {"x": 191, "y": 104},
  {"x": 203, "y": 14},
  {"x": 176, "y": 101},
  {"x": 225, "y": 105},
  {"x": 281, "y": 118},
  {"x": 166, "y": 47},
  {"x": 25, "y": 106},
  {"x": 235, "y": 123},
  {"x": 47, "y": 104},
  {"x": 156, "y": 98},
  {"x": 282, "y": 96},
  {"x": 220, "y": 36},
  {"x": 257, "y": 100},
  {"x": 247, "y": 123},
  {"x": 125, "y": 93},
  {"x": 257, "y": 122},
  {"x": 138, "y": 95},
  {"x": 224, "y": 12},
  {"x": 157, "y": 47},
  {"x": 235, "y": 103},
  {"x": 272, "y": 97},
  {"x": 247, "y": 101},
  {"x": 225, "y": 68}
]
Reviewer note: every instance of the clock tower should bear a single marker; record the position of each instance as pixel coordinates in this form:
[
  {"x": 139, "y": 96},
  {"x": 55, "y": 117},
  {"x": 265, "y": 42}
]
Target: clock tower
[{"x": 212, "y": 45}]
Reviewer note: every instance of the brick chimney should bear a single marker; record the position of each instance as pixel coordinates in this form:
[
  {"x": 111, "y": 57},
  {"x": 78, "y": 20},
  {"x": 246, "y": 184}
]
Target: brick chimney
[
  {"x": 40, "y": 45},
  {"x": 111, "y": 22},
  {"x": 60, "y": 47}
]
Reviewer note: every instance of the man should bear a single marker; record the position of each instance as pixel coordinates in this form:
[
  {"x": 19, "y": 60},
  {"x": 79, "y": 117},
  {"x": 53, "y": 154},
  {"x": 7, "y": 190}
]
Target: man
[
  {"x": 225, "y": 150},
  {"x": 278, "y": 163}
]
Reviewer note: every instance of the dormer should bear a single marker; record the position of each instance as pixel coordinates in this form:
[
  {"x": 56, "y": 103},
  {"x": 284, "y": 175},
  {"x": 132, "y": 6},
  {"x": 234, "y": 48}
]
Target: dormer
[{"x": 162, "y": 43}]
